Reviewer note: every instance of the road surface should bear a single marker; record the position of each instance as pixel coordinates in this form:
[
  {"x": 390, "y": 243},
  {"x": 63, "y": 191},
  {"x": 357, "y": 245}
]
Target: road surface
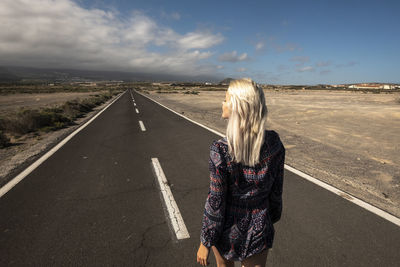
[{"x": 96, "y": 202}]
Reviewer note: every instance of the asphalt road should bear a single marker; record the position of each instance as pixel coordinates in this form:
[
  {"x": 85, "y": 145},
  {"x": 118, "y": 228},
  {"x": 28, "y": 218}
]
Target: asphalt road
[{"x": 95, "y": 202}]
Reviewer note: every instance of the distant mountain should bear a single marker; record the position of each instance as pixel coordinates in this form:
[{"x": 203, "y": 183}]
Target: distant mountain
[
  {"x": 226, "y": 81},
  {"x": 7, "y": 76},
  {"x": 8, "y": 73}
]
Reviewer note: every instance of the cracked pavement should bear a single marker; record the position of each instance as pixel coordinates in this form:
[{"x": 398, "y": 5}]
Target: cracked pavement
[{"x": 80, "y": 208}]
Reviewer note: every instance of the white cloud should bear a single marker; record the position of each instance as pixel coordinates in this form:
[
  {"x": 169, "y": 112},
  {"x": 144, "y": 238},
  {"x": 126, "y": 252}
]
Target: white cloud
[
  {"x": 233, "y": 57},
  {"x": 220, "y": 67},
  {"x": 273, "y": 44},
  {"x": 243, "y": 57},
  {"x": 199, "y": 40},
  {"x": 306, "y": 68},
  {"x": 260, "y": 45},
  {"x": 62, "y": 34},
  {"x": 241, "y": 69},
  {"x": 323, "y": 63}
]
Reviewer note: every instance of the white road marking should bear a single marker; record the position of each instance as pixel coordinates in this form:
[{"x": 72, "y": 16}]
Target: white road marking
[
  {"x": 7, "y": 187},
  {"x": 137, "y": 111},
  {"x": 347, "y": 196},
  {"x": 359, "y": 202},
  {"x": 195, "y": 122},
  {"x": 134, "y": 104},
  {"x": 174, "y": 214},
  {"x": 142, "y": 126}
]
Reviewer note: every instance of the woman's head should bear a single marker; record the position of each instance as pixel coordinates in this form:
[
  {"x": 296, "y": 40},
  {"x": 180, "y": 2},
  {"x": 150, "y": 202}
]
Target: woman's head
[{"x": 247, "y": 118}]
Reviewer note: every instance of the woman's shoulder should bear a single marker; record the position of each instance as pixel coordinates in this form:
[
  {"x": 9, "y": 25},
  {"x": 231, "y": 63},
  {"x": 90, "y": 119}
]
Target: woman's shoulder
[
  {"x": 270, "y": 137},
  {"x": 218, "y": 152},
  {"x": 219, "y": 145},
  {"x": 273, "y": 143}
]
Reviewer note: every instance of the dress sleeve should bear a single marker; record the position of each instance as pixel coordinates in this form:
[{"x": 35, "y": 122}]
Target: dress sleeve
[
  {"x": 275, "y": 197},
  {"x": 214, "y": 211}
]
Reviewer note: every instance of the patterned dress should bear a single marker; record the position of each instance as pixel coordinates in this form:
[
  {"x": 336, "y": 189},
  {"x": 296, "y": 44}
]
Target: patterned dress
[{"x": 243, "y": 202}]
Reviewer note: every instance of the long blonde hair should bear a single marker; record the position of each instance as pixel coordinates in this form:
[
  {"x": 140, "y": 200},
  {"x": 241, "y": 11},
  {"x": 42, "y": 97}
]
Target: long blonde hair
[{"x": 245, "y": 130}]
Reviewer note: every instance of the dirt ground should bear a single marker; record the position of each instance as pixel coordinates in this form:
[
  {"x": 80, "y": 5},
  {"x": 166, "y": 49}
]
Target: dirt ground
[
  {"x": 347, "y": 139},
  {"x": 12, "y": 102},
  {"x": 28, "y": 148}
]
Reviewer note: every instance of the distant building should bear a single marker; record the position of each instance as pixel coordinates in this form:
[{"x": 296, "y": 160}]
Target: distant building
[
  {"x": 339, "y": 85},
  {"x": 84, "y": 83},
  {"x": 372, "y": 86}
]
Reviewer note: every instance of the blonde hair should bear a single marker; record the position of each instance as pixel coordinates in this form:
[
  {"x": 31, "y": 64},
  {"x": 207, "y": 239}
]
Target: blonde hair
[{"x": 245, "y": 130}]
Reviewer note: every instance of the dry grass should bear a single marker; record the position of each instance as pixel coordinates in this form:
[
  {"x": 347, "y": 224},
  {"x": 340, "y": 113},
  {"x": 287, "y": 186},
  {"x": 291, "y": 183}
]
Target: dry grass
[{"x": 27, "y": 120}]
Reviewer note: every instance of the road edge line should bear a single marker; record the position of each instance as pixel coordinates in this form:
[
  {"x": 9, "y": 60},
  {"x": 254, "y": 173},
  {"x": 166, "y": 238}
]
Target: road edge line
[
  {"x": 13, "y": 182},
  {"x": 381, "y": 213}
]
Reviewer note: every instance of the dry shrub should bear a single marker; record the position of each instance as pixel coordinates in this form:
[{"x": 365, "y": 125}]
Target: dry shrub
[
  {"x": 48, "y": 119},
  {"x": 31, "y": 120},
  {"x": 4, "y": 140}
]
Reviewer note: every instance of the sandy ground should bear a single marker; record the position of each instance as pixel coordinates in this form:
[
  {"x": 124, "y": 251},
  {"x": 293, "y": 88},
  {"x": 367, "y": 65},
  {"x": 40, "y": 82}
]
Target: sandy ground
[
  {"x": 28, "y": 148},
  {"x": 347, "y": 139},
  {"x": 12, "y": 102}
]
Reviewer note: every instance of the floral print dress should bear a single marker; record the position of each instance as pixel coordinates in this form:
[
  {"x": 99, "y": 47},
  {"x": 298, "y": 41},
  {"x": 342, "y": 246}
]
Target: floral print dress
[{"x": 243, "y": 202}]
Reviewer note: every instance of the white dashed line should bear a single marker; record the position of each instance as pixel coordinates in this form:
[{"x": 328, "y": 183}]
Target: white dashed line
[
  {"x": 134, "y": 104},
  {"x": 359, "y": 202},
  {"x": 142, "y": 126},
  {"x": 173, "y": 213},
  {"x": 195, "y": 122},
  {"x": 137, "y": 111}
]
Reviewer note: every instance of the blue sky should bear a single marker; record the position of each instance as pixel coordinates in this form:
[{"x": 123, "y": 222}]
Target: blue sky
[{"x": 278, "y": 42}]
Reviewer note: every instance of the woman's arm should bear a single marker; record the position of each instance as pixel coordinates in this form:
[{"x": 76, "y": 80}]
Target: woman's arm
[
  {"x": 275, "y": 197},
  {"x": 214, "y": 210}
]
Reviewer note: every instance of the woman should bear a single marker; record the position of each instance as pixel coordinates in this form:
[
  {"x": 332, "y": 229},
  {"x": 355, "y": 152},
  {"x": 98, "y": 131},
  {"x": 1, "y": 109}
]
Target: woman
[{"x": 245, "y": 196}]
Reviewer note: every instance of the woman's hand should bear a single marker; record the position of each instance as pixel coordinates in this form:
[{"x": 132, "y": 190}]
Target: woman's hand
[{"x": 202, "y": 255}]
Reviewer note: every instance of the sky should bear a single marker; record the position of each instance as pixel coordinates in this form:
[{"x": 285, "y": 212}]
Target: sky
[{"x": 270, "y": 41}]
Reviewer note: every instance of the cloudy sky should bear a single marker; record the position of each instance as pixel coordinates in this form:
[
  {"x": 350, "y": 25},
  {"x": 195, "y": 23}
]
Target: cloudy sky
[{"x": 278, "y": 42}]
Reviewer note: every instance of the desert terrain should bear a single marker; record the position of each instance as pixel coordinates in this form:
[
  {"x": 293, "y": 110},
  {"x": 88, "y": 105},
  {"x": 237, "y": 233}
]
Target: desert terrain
[
  {"x": 12, "y": 102},
  {"x": 347, "y": 139},
  {"x": 28, "y": 147}
]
